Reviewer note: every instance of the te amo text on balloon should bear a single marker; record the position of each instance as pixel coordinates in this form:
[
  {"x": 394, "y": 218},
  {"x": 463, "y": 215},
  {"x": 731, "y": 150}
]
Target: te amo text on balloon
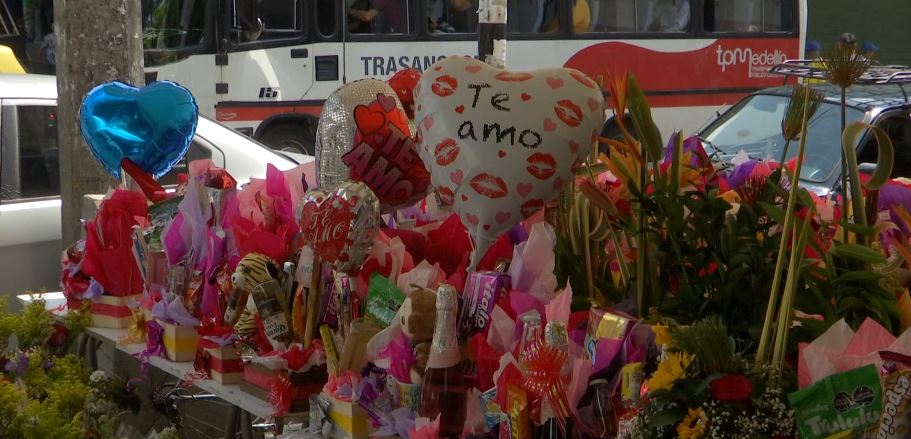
[{"x": 488, "y": 131}]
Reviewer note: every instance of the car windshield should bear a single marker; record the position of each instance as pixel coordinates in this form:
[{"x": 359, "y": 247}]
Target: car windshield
[{"x": 753, "y": 127}]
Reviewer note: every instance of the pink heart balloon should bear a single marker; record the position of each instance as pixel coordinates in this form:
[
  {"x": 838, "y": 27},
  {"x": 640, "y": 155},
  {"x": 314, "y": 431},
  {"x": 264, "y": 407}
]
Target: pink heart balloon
[{"x": 501, "y": 144}]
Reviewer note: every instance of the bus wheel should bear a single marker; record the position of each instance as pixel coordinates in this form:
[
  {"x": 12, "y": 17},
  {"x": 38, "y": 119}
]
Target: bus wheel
[{"x": 295, "y": 138}]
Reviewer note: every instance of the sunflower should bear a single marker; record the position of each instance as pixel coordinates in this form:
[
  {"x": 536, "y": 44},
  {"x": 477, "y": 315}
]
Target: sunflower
[
  {"x": 671, "y": 369},
  {"x": 693, "y": 425}
]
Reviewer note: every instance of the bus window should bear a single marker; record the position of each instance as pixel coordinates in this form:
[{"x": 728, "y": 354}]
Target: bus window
[
  {"x": 778, "y": 15},
  {"x": 268, "y": 20},
  {"x": 173, "y": 24},
  {"x": 325, "y": 17},
  {"x": 452, "y": 16},
  {"x": 378, "y": 16},
  {"x": 637, "y": 16},
  {"x": 530, "y": 16},
  {"x": 749, "y": 16}
]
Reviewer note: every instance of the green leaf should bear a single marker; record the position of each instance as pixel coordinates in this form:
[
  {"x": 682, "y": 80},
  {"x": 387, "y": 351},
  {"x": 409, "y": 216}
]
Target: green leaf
[
  {"x": 858, "y": 276},
  {"x": 847, "y": 303},
  {"x": 858, "y": 252},
  {"x": 671, "y": 416},
  {"x": 642, "y": 119},
  {"x": 859, "y": 228},
  {"x": 886, "y": 153},
  {"x": 775, "y": 213},
  {"x": 677, "y": 159}
]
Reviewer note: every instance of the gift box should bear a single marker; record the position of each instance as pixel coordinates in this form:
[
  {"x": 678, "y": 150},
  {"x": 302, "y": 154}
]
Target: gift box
[
  {"x": 156, "y": 268},
  {"x": 113, "y": 311},
  {"x": 261, "y": 371},
  {"x": 179, "y": 342},
  {"x": 349, "y": 420},
  {"x": 224, "y": 365}
]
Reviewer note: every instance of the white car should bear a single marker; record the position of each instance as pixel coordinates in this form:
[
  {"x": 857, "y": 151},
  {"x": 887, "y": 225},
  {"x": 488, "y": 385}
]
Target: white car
[{"x": 30, "y": 231}]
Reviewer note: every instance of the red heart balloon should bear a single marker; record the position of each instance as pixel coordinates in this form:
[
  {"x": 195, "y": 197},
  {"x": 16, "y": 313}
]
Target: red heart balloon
[
  {"x": 340, "y": 225},
  {"x": 385, "y": 156}
]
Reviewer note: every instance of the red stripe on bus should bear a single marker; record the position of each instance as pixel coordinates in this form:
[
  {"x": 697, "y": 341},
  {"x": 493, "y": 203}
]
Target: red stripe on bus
[
  {"x": 725, "y": 63},
  {"x": 243, "y": 113}
]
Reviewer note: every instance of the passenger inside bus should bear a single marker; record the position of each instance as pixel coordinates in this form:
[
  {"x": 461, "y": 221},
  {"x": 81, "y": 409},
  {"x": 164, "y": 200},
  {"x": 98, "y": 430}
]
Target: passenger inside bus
[
  {"x": 639, "y": 16},
  {"x": 525, "y": 15},
  {"x": 447, "y": 16},
  {"x": 665, "y": 16},
  {"x": 749, "y": 16},
  {"x": 382, "y": 16}
]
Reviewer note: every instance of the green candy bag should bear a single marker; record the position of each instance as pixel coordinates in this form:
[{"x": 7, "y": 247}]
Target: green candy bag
[
  {"x": 383, "y": 300},
  {"x": 846, "y": 402}
]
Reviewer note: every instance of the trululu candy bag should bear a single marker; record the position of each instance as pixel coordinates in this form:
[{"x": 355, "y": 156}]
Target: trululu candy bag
[
  {"x": 848, "y": 401},
  {"x": 383, "y": 300}
]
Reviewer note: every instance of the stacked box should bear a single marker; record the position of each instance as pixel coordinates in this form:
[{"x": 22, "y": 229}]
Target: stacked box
[
  {"x": 349, "y": 420},
  {"x": 179, "y": 342},
  {"x": 113, "y": 311},
  {"x": 262, "y": 370},
  {"x": 225, "y": 366}
]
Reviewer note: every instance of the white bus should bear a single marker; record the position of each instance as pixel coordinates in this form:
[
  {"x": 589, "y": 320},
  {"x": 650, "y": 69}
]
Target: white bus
[{"x": 265, "y": 67}]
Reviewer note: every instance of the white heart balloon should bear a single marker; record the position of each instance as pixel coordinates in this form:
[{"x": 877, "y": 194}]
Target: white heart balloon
[{"x": 500, "y": 144}]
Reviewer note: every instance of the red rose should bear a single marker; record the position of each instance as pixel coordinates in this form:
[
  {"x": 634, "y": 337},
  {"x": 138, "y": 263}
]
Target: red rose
[{"x": 731, "y": 388}]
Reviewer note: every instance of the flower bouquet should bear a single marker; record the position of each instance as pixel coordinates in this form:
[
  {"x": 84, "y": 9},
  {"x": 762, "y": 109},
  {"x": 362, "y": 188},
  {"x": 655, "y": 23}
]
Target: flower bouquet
[{"x": 704, "y": 388}]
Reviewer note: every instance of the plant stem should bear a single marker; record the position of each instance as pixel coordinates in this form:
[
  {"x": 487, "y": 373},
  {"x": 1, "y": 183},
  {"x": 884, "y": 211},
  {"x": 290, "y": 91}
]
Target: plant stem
[
  {"x": 844, "y": 170},
  {"x": 790, "y": 290},
  {"x": 784, "y": 153},
  {"x": 586, "y": 240},
  {"x": 765, "y": 338}
]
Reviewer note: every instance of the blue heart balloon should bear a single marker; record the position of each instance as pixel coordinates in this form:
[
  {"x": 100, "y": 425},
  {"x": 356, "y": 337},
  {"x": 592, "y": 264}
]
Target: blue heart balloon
[{"x": 151, "y": 126}]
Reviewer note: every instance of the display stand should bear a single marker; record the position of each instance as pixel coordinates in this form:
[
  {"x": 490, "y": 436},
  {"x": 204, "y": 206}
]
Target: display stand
[{"x": 250, "y": 407}]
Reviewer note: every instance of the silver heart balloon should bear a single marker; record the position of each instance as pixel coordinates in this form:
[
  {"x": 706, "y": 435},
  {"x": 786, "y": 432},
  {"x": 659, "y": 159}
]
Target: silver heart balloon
[{"x": 337, "y": 127}]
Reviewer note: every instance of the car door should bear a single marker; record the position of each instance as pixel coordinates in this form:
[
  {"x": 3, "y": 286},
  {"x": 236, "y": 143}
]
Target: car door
[
  {"x": 29, "y": 196},
  {"x": 897, "y": 125}
]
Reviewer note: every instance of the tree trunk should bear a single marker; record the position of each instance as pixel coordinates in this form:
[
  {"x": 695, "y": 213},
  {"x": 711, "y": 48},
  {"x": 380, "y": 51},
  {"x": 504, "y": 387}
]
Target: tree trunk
[{"x": 97, "y": 41}]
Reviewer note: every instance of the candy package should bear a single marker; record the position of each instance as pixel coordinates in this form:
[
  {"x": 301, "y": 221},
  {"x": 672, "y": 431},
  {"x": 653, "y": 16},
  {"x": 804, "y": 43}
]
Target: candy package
[
  {"x": 896, "y": 419},
  {"x": 607, "y": 332},
  {"x": 849, "y": 401},
  {"x": 482, "y": 291},
  {"x": 383, "y": 300}
]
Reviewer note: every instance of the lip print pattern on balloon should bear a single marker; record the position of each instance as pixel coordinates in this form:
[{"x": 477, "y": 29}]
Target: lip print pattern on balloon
[
  {"x": 500, "y": 144},
  {"x": 384, "y": 155}
]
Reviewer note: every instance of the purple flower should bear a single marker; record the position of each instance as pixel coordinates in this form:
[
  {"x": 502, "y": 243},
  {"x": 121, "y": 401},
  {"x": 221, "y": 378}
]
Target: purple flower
[
  {"x": 691, "y": 145},
  {"x": 741, "y": 173},
  {"x": 17, "y": 366},
  {"x": 894, "y": 195}
]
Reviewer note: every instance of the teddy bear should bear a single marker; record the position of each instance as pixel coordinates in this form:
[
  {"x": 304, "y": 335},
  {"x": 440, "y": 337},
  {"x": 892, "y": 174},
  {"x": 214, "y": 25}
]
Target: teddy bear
[{"x": 418, "y": 320}]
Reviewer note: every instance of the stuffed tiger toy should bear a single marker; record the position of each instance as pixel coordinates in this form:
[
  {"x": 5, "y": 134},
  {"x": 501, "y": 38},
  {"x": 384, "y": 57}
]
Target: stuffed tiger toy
[{"x": 252, "y": 270}]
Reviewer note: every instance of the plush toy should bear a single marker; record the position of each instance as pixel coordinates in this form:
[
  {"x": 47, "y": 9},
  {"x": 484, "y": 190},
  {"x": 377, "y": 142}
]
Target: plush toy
[
  {"x": 252, "y": 270},
  {"x": 419, "y": 316}
]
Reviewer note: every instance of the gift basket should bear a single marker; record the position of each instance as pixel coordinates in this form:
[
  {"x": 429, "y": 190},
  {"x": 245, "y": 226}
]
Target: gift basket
[{"x": 467, "y": 257}]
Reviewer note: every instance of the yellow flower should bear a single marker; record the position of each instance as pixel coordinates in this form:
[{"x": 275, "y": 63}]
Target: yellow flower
[
  {"x": 671, "y": 369},
  {"x": 662, "y": 335},
  {"x": 693, "y": 425}
]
